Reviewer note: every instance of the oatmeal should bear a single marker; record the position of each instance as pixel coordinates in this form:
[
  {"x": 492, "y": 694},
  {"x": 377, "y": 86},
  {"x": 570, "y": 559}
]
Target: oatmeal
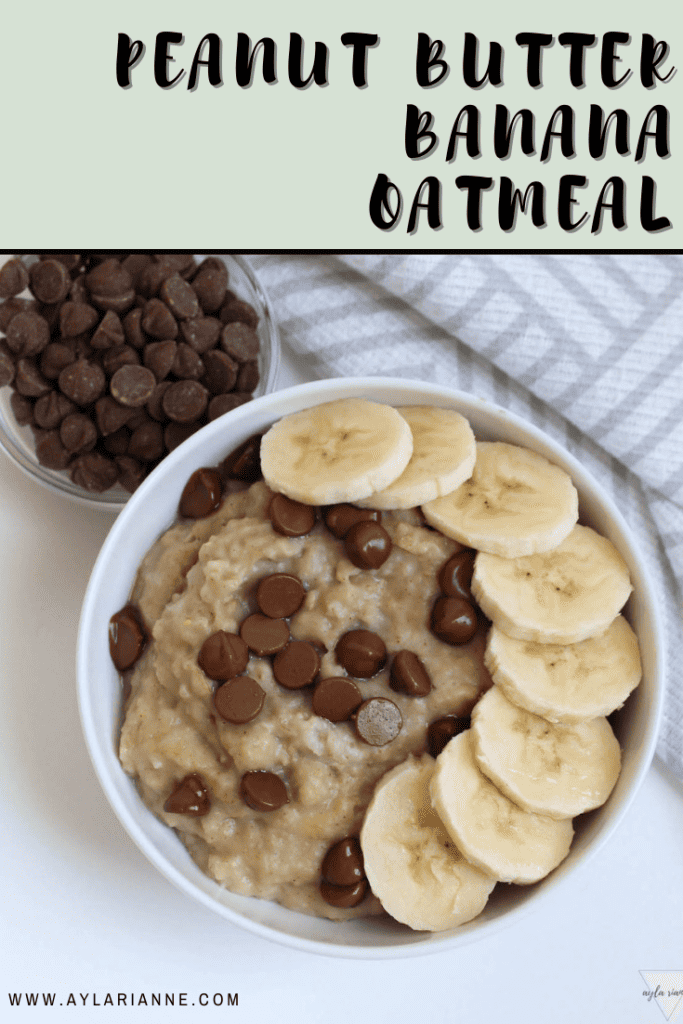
[{"x": 201, "y": 578}]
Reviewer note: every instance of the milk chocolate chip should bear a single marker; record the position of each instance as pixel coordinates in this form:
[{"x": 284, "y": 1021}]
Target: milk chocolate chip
[
  {"x": 239, "y": 700},
  {"x": 280, "y": 595},
  {"x": 336, "y": 698},
  {"x": 443, "y": 730},
  {"x": 245, "y": 462},
  {"x": 185, "y": 401},
  {"x": 190, "y": 796},
  {"x": 50, "y": 281},
  {"x": 340, "y": 518},
  {"x": 343, "y": 863},
  {"x": 455, "y": 577},
  {"x": 454, "y": 620},
  {"x": 361, "y": 652},
  {"x": 93, "y": 472},
  {"x": 264, "y": 636},
  {"x": 408, "y": 675},
  {"x": 28, "y": 334},
  {"x": 378, "y": 721},
  {"x": 202, "y": 494},
  {"x": 344, "y": 896},
  {"x": 291, "y": 518},
  {"x": 296, "y": 665},
  {"x": 132, "y": 385},
  {"x": 13, "y": 278},
  {"x": 127, "y": 637},
  {"x": 223, "y": 655},
  {"x": 367, "y": 545},
  {"x": 263, "y": 791}
]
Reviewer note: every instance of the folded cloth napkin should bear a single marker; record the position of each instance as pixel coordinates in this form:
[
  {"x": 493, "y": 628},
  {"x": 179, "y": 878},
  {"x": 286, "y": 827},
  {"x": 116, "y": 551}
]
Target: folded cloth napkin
[{"x": 588, "y": 348}]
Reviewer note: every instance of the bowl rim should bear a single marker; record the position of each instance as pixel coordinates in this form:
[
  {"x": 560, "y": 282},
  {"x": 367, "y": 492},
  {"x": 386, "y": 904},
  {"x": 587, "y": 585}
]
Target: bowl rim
[
  {"x": 57, "y": 483},
  {"x": 319, "y": 392}
]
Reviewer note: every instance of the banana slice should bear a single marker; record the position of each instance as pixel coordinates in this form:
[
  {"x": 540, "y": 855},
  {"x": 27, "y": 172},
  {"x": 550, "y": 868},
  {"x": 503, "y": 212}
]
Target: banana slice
[
  {"x": 490, "y": 830},
  {"x": 516, "y": 503},
  {"x": 411, "y": 862},
  {"x": 444, "y": 450},
  {"x": 336, "y": 452},
  {"x": 571, "y": 682},
  {"x": 558, "y": 770},
  {"x": 557, "y": 597}
]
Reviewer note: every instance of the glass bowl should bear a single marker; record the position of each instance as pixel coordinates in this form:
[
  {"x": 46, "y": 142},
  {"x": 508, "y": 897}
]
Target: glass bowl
[{"x": 18, "y": 443}]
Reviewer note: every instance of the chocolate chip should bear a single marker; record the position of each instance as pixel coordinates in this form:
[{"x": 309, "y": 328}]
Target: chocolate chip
[
  {"x": 28, "y": 380},
  {"x": 127, "y": 637},
  {"x": 210, "y": 284},
  {"x": 131, "y": 472},
  {"x": 236, "y": 309},
  {"x": 7, "y": 367},
  {"x": 367, "y": 545},
  {"x": 378, "y": 721},
  {"x": 51, "y": 409},
  {"x": 240, "y": 342},
  {"x": 220, "y": 404},
  {"x": 201, "y": 333},
  {"x": 76, "y": 318},
  {"x": 132, "y": 328},
  {"x": 220, "y": 372},
  {"x": 151, "y": 277},
  {"x": 116, "y": 443},
  {"x": 154, "y": 405},
  {"x": 54, "y": 358},
  {"x": 190, "y": 796},
  {"x": 453, "y": 620},
  {"x": 443, "y": 730},
  {"x": 248, "y": 376},
  {"x": 185, "y": 401},
  {"x": 159, "y": 357},
  {"x": 50, "y": 281},
  {"x": 223, "y": 655},
  {"x": 202, "y": 494},
  {"x": 83, "y": 382},
  {"x": 408, "y": 675},
  {"x": 340, "y": 518},
  {"x": 239, "y": 700},
  {"x": 50, "y": 451},
  {"x": 109, "y": 333},
  {"x": 132, "y": 385},
  {"x": 71, "y": 260},
  {"x": 178, "y": 262},
  {"x": 158, "y": 321},
  {"x": 344, "y": 896},
  {"x": 135, "y": 264},
  {"x": 28, "y": 334},
  {"x": 336, "y": 698},
  {"x": 13, "y": 278},
  {"x": 455, "y": 577},
  {"x": 244, "y": 463},
  {"x": 22, "y": 409},
  {"x": 186, "y": 363},
  {"x": 147, "y": 442},
  {"x": 110, "y": 415},
  {"x": 180, "y": 298},
  {"x": 263, "y": 791},
  {"x": 117, "y": 356},
  {"x": 296, "y": 665},
  {"x": 10, "y": 307},
  {"x": 280, "y": 595},
  {"x": 343, "y": 863},
  {"x": 78, "y": 433},
  {"x": 264, "y": 636},
  {"x": 291, "y": 518},
  {"x": 94, "y": 472},
  {"x": 111, "y": 286},
  {"x": 361, "y": 652}
]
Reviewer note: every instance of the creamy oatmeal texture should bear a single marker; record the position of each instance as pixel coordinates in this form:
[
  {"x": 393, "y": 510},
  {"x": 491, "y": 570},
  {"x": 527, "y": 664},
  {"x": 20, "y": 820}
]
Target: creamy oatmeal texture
[{"x": 171, "y": 728}]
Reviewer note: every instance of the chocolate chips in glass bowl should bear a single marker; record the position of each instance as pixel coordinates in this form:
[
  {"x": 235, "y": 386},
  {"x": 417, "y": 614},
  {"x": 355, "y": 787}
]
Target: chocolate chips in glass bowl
[{"x": 132, "y": 345}]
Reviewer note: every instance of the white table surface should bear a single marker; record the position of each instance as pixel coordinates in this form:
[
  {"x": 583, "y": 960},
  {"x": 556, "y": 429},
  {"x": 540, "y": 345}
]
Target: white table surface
[{"x": 86, "y": 915}]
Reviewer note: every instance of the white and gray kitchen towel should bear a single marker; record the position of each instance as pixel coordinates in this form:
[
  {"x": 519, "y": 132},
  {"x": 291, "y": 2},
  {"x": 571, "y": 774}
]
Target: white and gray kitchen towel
[{"x": 588, "y": 348}]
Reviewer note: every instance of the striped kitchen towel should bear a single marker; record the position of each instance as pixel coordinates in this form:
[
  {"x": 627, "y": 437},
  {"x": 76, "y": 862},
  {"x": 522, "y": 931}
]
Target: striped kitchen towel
[{"x": 588, "y": 348}]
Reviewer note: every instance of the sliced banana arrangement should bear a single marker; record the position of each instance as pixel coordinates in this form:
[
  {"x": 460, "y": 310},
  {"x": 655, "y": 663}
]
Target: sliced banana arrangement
[{"x": 498, "y": 802}]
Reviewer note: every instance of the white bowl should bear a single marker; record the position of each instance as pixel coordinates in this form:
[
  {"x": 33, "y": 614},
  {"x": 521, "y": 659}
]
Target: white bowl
[{"x": 153, "y": 508}]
